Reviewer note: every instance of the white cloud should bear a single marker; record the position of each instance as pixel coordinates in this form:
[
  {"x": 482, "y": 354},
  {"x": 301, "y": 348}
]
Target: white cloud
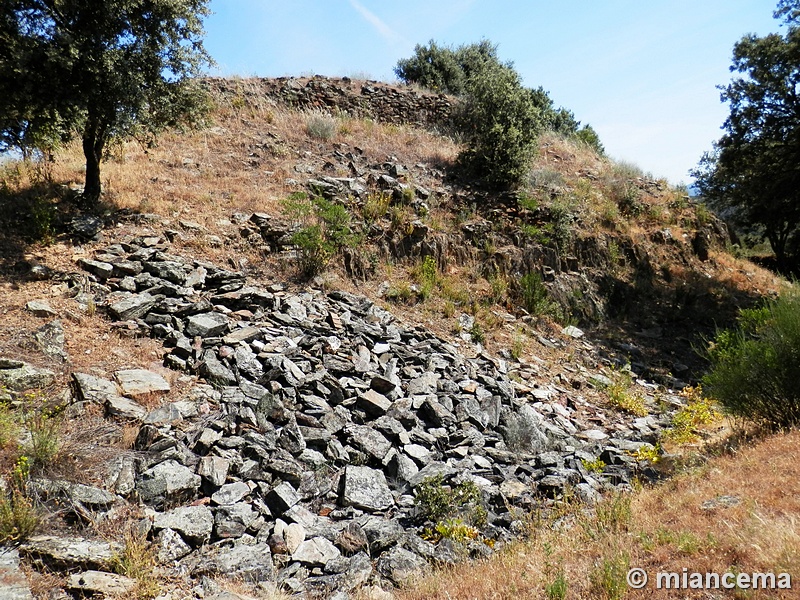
[{"x": 382, "y": 28}]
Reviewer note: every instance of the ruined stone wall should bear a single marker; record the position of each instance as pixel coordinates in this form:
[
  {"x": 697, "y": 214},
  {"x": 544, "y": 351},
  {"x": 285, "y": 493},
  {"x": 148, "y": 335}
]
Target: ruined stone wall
[{"x": 380, "y": 101}]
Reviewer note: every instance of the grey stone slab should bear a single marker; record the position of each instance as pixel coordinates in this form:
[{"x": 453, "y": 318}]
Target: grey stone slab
[
  {"x": 99, "y": 582},
  {"x": 193, "y": 523},
  {"x": 70, "y": 552},
  {"x": 206, "y": 325},
  {"x": 139, "y": 382},
  {"x": 13, "y": 583},
  {"x": 25, "y": 377},
  {"x": 133, "y": 306},
  {"x": 365, "y": 488}
]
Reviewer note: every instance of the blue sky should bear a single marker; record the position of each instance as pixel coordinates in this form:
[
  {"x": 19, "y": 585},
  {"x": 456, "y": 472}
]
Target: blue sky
[{"x": 642, "y": 73}]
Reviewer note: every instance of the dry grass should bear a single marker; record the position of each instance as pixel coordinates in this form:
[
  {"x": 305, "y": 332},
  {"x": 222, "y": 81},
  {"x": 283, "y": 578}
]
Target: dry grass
[{"x": 666, "y": 529}]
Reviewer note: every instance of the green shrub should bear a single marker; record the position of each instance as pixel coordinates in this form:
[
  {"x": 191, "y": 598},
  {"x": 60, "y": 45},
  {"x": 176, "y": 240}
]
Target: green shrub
[
  {"x": 755, "y": 368},
  {"x": 437, "y": 502},
  {"x": 445, "y": 69},
  {"x": 557, "y": 589},
  {"x": 477, "y": 334},
  {"x": 608, "y": 577},
  {"x": 19, "y": 516},
  {"x": 325, "y": 230},
  {"x": 533, "y": 295},
  {"x": 44, "y": 428},
  {"x": 500, "y": 122}
]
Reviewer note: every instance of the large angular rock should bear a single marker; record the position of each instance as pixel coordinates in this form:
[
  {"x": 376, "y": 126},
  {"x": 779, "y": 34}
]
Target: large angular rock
[
  {"x": 170, "y": 546},
  {"x": 365, "y": 488},
  {"x": 70, "y": 552},
  {"x": 368, "y": 440},
  {"x": 125, "y": 408},
  {"x": 400, "y": 565},
  {"x": 50, "y": 339},
  {"x": 373, "y": 403},
  {"x": 194, "y": 523},
  {"x": 94, "y": 389},
  {"x": 317, "y": 552},
  {"x": 132, "y": 306},
  {"x": 166, "y": 479},
  {"x": 251, "y": 563},
  {"x": 19, "y": 376},
  {"x": 214, "y": 469},
  {"x": 281, "y": 498},
  {"x": 234, "y": 520},
  {"x": 139, "y": 382},
  {"x": 206, "y": 325},
  {"x": 98, "y": 582},
  {"x": 230, "y": 493}
]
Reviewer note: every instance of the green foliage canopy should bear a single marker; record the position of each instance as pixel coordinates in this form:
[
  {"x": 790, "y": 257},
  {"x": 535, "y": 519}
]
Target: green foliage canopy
[
  {"x": 499, "y": 119},
  {"x": 102, "y": 70},
  {"x": 753, "y": 174},
  {"x": 755, "y": 368}
]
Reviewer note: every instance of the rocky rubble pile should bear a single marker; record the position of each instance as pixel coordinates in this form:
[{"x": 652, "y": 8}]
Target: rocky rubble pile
[{"x": 297, "y": 461}]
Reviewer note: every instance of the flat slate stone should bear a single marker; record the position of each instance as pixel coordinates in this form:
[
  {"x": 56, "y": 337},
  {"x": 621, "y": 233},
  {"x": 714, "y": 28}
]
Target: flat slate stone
[
  {"x": 230, "y": 493},
  {"x": 166, "y": 478},
  {"x": 365, "y": 488},
  {"x": 13, "y": 583},
  {"x": 25, "y": 377},
  {"x": 132, "y": 306},
  {"x": 94, "y": 389},
  {"x": 125, "y": 408},
  {"x": 317, "y": 551},
  {"x": 194, "y": 523},
  {"x": 40, "y": 308},
  {"x": 99, "y": 582},
  {"x": 137, "y": 382},
  {"x": 70, "y": 552},
  {"x": 206, "y": 325},
  {"x": 374, "y": 403}
]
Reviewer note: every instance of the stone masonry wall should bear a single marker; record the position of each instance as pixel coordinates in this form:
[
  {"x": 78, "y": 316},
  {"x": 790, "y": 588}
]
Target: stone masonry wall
[{"x": 379, "y": 101}]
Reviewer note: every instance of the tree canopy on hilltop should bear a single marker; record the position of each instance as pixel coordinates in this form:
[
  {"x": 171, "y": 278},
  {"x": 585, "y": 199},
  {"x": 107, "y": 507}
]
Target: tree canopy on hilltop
[{"x": 753, "y": 173}]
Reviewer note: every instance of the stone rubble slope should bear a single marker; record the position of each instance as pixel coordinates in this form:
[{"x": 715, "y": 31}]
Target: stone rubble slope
[{"x": 297, "y": 461}]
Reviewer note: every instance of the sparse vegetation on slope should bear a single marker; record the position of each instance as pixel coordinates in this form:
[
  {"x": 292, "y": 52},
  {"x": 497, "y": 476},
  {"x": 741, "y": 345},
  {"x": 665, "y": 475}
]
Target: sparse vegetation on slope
[
  {"x": 583, "y": 241},
  {"x": 729, "y": 515}
]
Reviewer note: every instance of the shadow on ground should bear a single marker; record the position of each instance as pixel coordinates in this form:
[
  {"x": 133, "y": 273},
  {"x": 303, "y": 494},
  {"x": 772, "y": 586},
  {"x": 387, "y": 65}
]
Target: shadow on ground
[
  {"x": 662, "y": 326},
  {"x": 35, "y": 216}
]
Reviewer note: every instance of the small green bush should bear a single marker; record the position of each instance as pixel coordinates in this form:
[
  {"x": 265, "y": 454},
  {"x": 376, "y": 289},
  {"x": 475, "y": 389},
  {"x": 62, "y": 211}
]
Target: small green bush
[
  {"x": 608, "y": 577},
  {"x": 437, "y": 502},
  {"x": 325, "y": 230},
  {"x": 533, "y": 295},
  {"x": 557, "y": 589},
  {"x": 19, "y": 516},
  {"x": 755, "y": 368}
]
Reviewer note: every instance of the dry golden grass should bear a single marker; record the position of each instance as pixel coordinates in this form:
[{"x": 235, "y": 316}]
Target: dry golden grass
[{"x": 666, "y": 529}]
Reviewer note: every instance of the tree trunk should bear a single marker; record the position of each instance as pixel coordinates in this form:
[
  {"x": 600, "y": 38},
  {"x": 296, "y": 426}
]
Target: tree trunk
[{"x": 93, "y": 143}]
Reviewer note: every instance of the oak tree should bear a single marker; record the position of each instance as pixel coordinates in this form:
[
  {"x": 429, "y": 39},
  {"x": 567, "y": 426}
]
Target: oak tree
[{"x": 97, "y": 69}]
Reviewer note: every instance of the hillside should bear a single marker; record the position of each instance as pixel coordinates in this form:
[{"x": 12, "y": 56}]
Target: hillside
[{"x": 272, "y": 408}]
